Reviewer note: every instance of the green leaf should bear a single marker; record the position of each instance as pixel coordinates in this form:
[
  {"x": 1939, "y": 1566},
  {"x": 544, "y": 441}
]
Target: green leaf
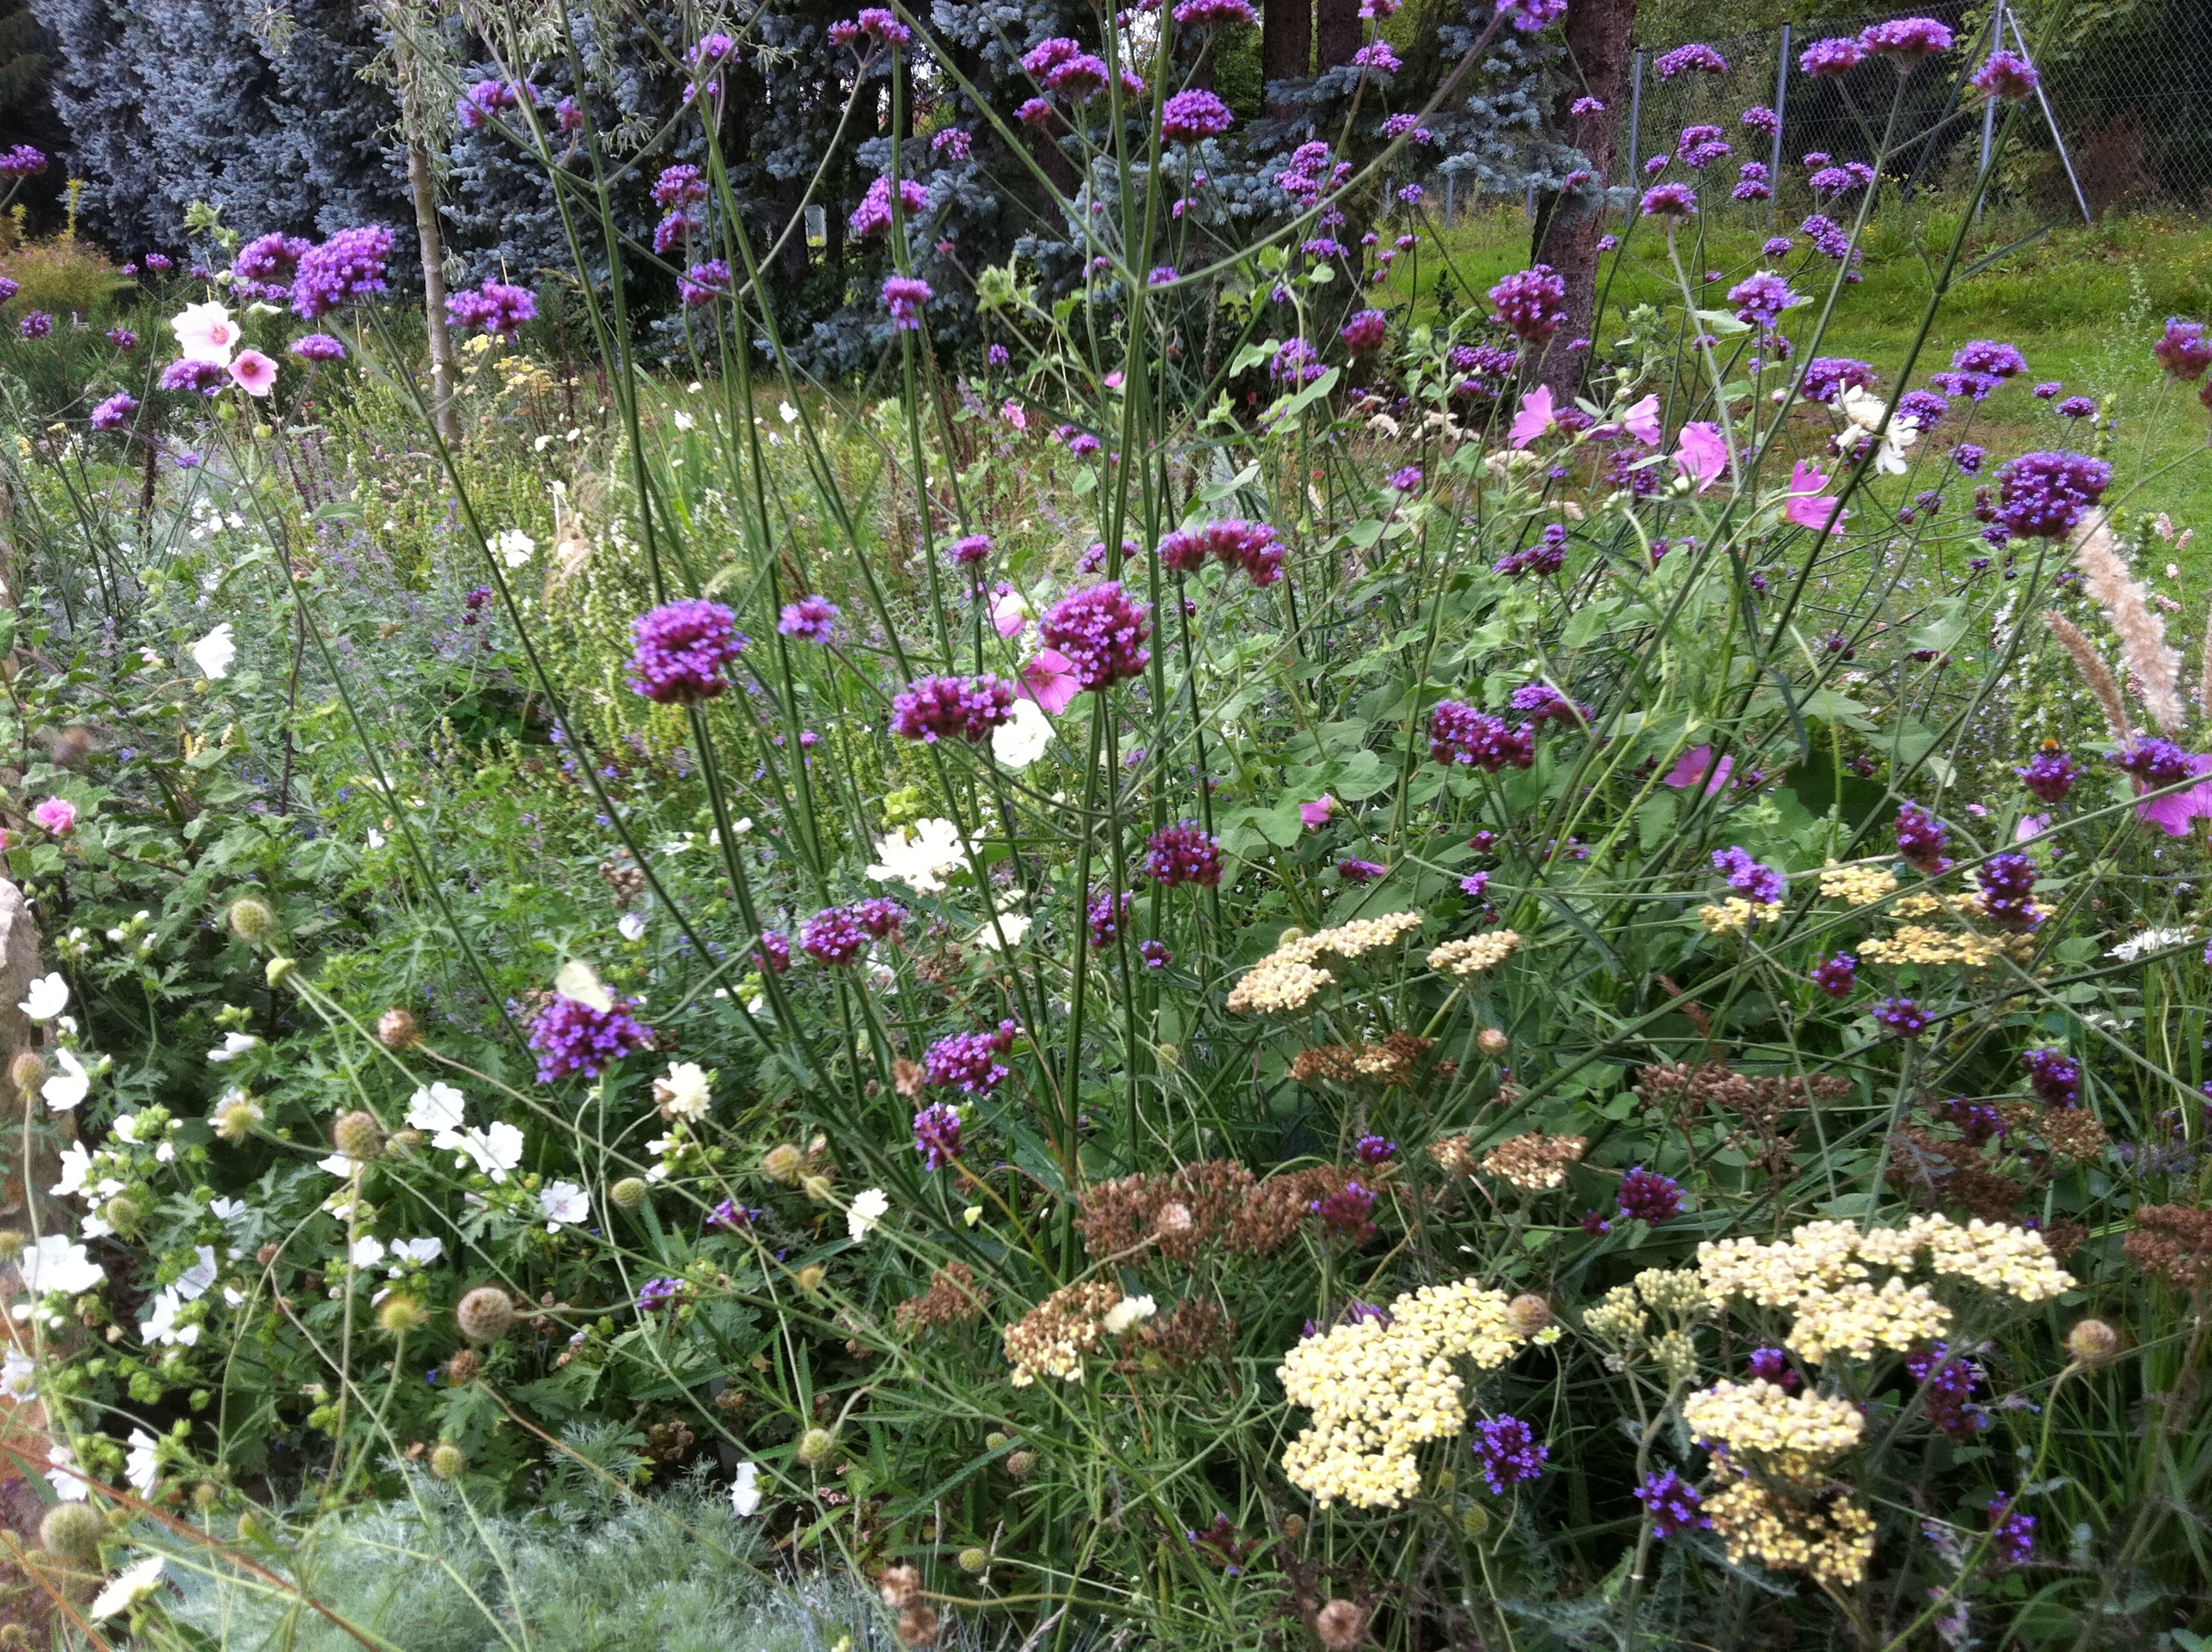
[
  {"x": 1944, "y": 631},
  {"x": 1722, "y": 321},
  {"x": 1655, "y": 821}
]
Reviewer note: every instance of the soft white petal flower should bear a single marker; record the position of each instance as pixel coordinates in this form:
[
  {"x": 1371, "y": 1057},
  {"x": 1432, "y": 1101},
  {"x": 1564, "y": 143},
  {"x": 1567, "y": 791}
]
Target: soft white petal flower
[
  {"x": 683, "y": 420},
  {"x": 226, "y": 1210},
  {"x": 513, "y": 547},
  {"x": 141, "y": 1466},
  {"x": 630, "y": 925},
  {"x": 161, "y": 1324},
  {"x": 68, "y": 1088},
  {"x": 205, "y": 333},
  {"x": 57, "y": 1263},
  {"x": 2148, "y": 941},
  {"x": 1021, "y": 742},
  {"x": 76, "y": 1168},
  {"x": 685, "y": 1091},
  {"x": 214, "y": 653},
  {"x": 1011, "y": 925},
  {"x": 47, "y": 998},
  {"x": 437, "y": 1106},
  {"x": 745, "y": 1492},
  {"x": 234, "y": 1044},
  {"x": 917, "y": 862},
  {"x": 496, "y": 1150},
  {"x": 565, "y": 1205},
  {"x": 869, "y": 1208},
  {"x": 786, "y": 412},
  {"x": 338, "y": 1165},
  {"x": 1127, "y": 1312},
  {"x": 367, "y": 1251},
  {"x": 19, "y": 1375},
  {"x": 375, "y": 838},
  {"x": 141, "y": 1583},
  {"x": 67, "y": 1486},
  {"x": 198, "y": 1279},
  {"x": 423, "y": 1252}
]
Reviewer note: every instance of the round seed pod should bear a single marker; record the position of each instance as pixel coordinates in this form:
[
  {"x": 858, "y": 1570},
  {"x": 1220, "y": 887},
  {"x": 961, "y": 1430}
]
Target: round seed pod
[
  {"x": 73, "y": 1531},
  {"x": 2093, "y": 1342},
  {"x": 401, "y": 1315},
  {"x": 27, "y": 1072},
  {"x": 251, "y": 919},
  {"x": 485, "y": 1315},
  {"x": 447, "y": 1460},
  {"x": 462, "y": 1368},
  {"x": 1529, "y": 1313},
  {"x": 1340, "y": 1624},
  {"x": 783, "y": 1162},
  {"x": 973, "y": 1560},
  {"x": 277, "y": 968},
  {"x": 1492, "y": 1042},
  {"x": 358, "y": 1134},
  {"x": 1021, "y": 1464},
  {"x": 398, "y": 1029},
  {"x": 630, "y": 1193},
  {"x": 122, "y": 1213},
  {"x": 815, "y": 1446}
]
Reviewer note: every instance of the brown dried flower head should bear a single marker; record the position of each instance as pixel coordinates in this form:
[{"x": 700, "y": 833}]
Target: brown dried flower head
[
  {"x": 1340, "y": 1624},
  {"x": 1536, "y": 1161}
]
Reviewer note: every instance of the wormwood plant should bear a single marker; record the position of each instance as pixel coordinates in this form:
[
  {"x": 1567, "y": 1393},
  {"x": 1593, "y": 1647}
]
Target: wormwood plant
[{"x": 1222, "y": 980}]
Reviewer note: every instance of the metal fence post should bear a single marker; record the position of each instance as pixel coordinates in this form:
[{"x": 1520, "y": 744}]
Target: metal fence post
[
  {"x": 1781, "y": 110},
  {"x": 1635, "y": 114},
  {"x": 2050, "y": 118},
  {"x": 1988, "y": 120}
]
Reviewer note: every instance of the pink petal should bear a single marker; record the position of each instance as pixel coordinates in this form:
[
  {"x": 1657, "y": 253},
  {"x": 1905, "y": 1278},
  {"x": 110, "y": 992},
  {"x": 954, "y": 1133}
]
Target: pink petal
[
  {"x": 1690, "y": 768},
  {"x": 1050, "y": 679},
  {"x": 1642, "y": 420},
  {"x": 1534, "y": 417},
  {"x": 1317, "y": 812}
]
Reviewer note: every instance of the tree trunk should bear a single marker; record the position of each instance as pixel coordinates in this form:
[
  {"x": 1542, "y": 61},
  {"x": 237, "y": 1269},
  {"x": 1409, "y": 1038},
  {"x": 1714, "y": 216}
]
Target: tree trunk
[
  {"x": 1568, "y": 227},
  {"x": 1336, "y": 34},
  {"x": 422, "y": 185},
  {"x": 1285, "y": 47}
]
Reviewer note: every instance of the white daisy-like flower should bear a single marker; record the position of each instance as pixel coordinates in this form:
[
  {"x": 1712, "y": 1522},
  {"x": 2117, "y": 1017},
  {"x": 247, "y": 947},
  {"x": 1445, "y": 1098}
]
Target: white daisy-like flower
[
  {"x": 745, "y": 1492},
  {"x": 67, "y": 1486},
  {"x": 437, "y": 1107},
  {"x": 19, "y": 1375},
  {"x": 565, "y": 1205},
  {"x": 234, "y": 1044},
  {"x": 68, "y": 1088},
  {"x": 216, "y": 652},
  {"x": 47, "y": 998},
  {"x": 57, "y": 1263},
  {"x": 686, "y": 1090},
  {"x": 869, "y": 1207},
  {"x": 1021, "y": 742},
  {"x": 141, "y": 1583},
  {"x": 141, "y": 1465},
  {"x": 1012, "y": 925}
]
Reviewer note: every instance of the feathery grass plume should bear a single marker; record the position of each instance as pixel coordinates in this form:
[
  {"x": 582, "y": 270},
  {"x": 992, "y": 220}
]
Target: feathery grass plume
[
  {"x": 2094, "y": 672},
  {"x": 2204, "y": 672},
  {"x": 2152, "y": 664}
]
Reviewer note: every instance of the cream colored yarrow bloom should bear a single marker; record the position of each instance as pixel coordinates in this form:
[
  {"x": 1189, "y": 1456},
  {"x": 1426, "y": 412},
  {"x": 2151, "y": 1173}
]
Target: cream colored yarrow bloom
[
  {"x": 1475, "y": 954},
  {"x": 1737, "y": 916},
  {"x": 1794, "y": 1436},
  {"x": 1857, "y": 1318},
  {"x": 1857, "y": 886}
]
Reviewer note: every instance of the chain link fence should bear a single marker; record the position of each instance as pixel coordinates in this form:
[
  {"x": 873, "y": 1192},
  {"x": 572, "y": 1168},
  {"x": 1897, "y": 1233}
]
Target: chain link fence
[{"x": 2123, "y": 121}]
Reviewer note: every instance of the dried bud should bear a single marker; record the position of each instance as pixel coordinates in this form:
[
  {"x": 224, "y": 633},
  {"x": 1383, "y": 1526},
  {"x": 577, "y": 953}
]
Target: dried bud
[
  {"x": 27, "y": 1072},
  {"x": 122, "y": 1213},
  {"x": 994, "y": 1440},
  {"x": 909, "y": 1078},
  {"x": 358, "y": 1135},
  {"x": 1492, "y": 1042},
  {"x": 1294, "y": 1526},
  {"x": 485, "y": 1315},
  {"x": 73, "y": 1531},
  {"x": 448, "y": 1462},
  {"x": 206, "y": 1495},
  {"x": 973, "y": 1560},
  {"x": 1174, "y": 1220},
  {"x": 398, "y": 1029},
  {"x": 1171, "y": 1057},
  {"x": 810, "y": 1278},
  {"x": 1021, "y": 1464},
  {"x": 400, "y": 1315},
  {"x": 2093, "y": 1342},
  {"x": 463, "y": 1368},
  {"x": 235, "y": 1119},
  {"x": 815, "y": 1446},
  {"x": 918, "y": 1625},
  {"x": 1340, "y": 1626},
  {"x": 267, "y": 1254},
  {"x": 783, "y": 1162},
  {"x": 818, "y": 1188},
  {"x": 1529, "y": 1313},
  {"x": 251, "y": 919},
  {"x": 630, "y": 1193},
  {"x": 12, "y": 1244},
  {"x": 900, "y": 1585},
  {"x": 400, "y": 1143}
]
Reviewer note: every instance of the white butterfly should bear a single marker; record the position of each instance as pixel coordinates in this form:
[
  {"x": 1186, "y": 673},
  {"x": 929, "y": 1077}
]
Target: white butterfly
[{"x": 579, "y": 980}]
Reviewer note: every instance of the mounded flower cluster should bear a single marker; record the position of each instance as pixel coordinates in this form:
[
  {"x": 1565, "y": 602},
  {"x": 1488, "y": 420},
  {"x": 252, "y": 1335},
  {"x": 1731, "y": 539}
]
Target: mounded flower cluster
[
  {"x": 1286, "y": 979},
  {"x": 1379, "y": 1387}
]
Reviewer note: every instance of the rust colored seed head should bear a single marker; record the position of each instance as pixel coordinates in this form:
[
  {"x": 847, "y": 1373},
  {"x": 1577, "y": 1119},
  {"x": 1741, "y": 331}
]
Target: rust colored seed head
[
  {"x": 1340, "y": 1624},
  {"x": 398, "y": 1029},
  {"x": 2093, "y": 1342}
]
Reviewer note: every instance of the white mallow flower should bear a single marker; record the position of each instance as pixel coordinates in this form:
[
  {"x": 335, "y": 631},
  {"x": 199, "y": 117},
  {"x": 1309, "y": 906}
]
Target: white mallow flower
[
  {"x": 745, "y": 1492},
  {"x": 421, "y": 1252},
  {"x": 19, "y": 1375},
  {"x": 338, "y": 1165},
  {"x": 141, "y": 1583},
  {"x": 436, "y": 1108},
  {"x": 161, "y": 1326},
  {"x": 47, "y": 998},
  {"x": 786, "y": 412},
  {"x": 77, "y": 1171},
  {"x": 870, "y": 1205},
  {"x": 67, "y": 1486},
  {"x": 683, "y": 420},
  {"x": 198, "y": 1279},
  {"x": 565, "y": 1205},
  {"x": 1862, "y": 410},
  {"x": 1127, "y": 1312},
  {"x": 214, "y": 653},
  {"x": 1021, "y": 742},
  {"x": 57, "y": 1263},
  {"x": 2148, "y": 941},
  {"x": 68, "y": 1088},
  {"x": 234, "y": 1044},
  {"x": 513, "y": 547},
  {"x": 630, "y": 925},
  {"x": 917, "y": 861},
  {"x": 226, "y": 1210},
  {"x": 496, "y": 1149},
  {"x": 1011, "y": 924},
  {"x": 686, "y": 1090},
  {"x": 205, "y": 333},
  {"x": 141, "y": 1466},
  {"x": 367, "y": 1251}
]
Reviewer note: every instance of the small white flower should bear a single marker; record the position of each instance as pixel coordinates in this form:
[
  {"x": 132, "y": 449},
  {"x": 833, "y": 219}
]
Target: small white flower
[
  {"x": 686, "y": 1092},
  {"x": 2149, "y": 941},
  {"x": 786, "y": 412},
  {"x": 66, "y": 1089},
  {"x": 1021, "y": 742},
  {"x": 162, "y": 1326},
  {"x": 1127, "y": 1311},
  {"x": 226, "y": 1210},
  {"x": 438, "y": 1107},
  {"x": 1012, "y": 925},
  {"x": 140, "y": 1466},
  {"x": 214, "y": 653},
  {"x": 745, "y": 1492},
  {"x": 48, "y": 997},
  {"x": 196, "y": 1280},
  {"x": 234, "y": 1044},
  {"x": 77, "y": 1168},
  {"x": 565, "y": 1205},
  {"x": 918, "y": 862},
  {"x": 375, "y": 838},
  {"x": 67, "y": 1486},
  {"x": 338, "y": 1165},
  {"x": 683, "y": 420},
  {"x": 367, "y": 1251},
  {"x": 421, "y": 1252},
  {"x": 496, "y": 1150},
  {"x": 869, "y": 1208},
  {"x": 513, "y": 547},
  {"x": 1862, "y": 410},
  {"x": 58, "y": 1264},
  {"x": 141, "y": 1583},
  {"x": 19, "y": 1375},
  {"x": 631, "y": 926}
]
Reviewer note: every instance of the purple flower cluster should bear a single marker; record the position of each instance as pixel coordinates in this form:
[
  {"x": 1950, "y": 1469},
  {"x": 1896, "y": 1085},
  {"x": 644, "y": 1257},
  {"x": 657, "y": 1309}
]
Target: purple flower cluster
[
  {"x": 265, "y": 261},
  {"x": 1761, "y": 299},
  {"x": 811, "y": 619},
  {"x": 1542, "y": 703},
  {"x": 115, "y": 412},
  {"x": 37, "y": 325},
  {"x": 657, "y": 1293},
  {"x": 1507, "y": 1451},
  {"x": 2006, "y": 882},
  {"x": 774, "y": 952},
  {"x": 351, "y": 264},
  {"x": 937, "y": 1135},
  {"x": 1460, "y": 734},
  {"x": 1533, "y": 303},
  {"x": 2183, "y": 349},
  {"x": 1670, "y": 200},
  {"x": 970, "y": 550},
  {"x": 1547, "y": 556},
  {"x": 730, "y": 1217},
  {"x": 1191, "y": 116},
  {"x": 968, "y": 1061},
  {"x": 205, "y": 377},
  {"x": 1698, "y": 56},
  {"x": 1825, "y": 59},
  {"x": 2156, "y": 763},
  {"x": 1749, "y": 878},
  {"x": 2042, "y": 495},
  {"x": 1673, "y": 1503},
  {"x": 1184, "y": 853},
  {"x": 903, "y": 296},
  {"x": 2054, "y": 1075},
  {"x": 22, "y": 162},
  {"x": 1297, "y": 362},
  {"x": 1908, "y": 40},
  {"x": 318, "y": 347},
  {"x": 873, "y": 215},
  {"x": 496, "y": 307},
  {"x": 1155, "y": 953},
  {"x": 1925, "y": 408},
  {"x": 1374, "y": 1150},
  {"x": 2077, "y": 407},
  {"x": 677, "y": 187},
  {"x": 2015, "y": 1533},
  {"x": 2007, "y": 75},
  {"x": 1106, "y": 914},
  {"x": 573, "y": 1038},
  {"x": 1921, "y": 838},
  {"x": 832, "y": 936},
  {"x": 1772, "y": 1365},
  {"x": 122, "y": 338},
  {"x": 703, "y": 282},
  {"x": 1904, "y": 1016},
  {"x": 1360, "y": 871},
  {"x": 1349, "y": 1213},
  {"x": 1366, "y": 331},
  {"x": 684, "y": 650},
  {"x": 940, "y": 707},
  {"x": 1231, "y": 542},
  {"x": 1826, "y": 377},
  {"x": 1947, "y": 1383},
  {"x": 1102, "y": 631},
  {"x": 1837, "y": 976},
  {"x": 1647, "y": 1196},
  {"x": 879, "y": 915},
  {"x": 1531, "y": 15},
  {"x": 476, "y": 106}
]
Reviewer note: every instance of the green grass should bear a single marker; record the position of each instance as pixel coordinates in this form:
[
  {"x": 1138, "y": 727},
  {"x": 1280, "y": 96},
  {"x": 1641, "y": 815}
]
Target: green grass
[{"x": 2082, "y": 303}]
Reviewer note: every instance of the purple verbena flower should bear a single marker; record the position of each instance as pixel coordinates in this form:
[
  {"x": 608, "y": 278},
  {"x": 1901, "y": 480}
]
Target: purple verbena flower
[
  {"x": 1921, "y": 838},
  {"x": 683, "y": 651},
  {"x": 1460, "y": 735},
  {"x": 2050, "y": 775},
  {"x": 1670, "y": 200},
  {"x": 1698, "y": 56},
  {"x": 351, "y": 264},
  {"x": 1908, "y": 40},
  {"x": 1749, "y": 878},
  {"x": 1349, "y": 1213},
  {"x": 933, "y": 708},
  {"x": 1374, "y": 1150},
  {"x": 1825, "y": 59},
  {"x": 1674, "y": 1504},
  {"x": 2054, "y": 1075},
  {"x": 1508, "y": 1453},
  {"x": 573, "y": 1038},
  {"x": 903, "y": 296},
  {"x": 832, "y": 936},
  {"x": 1105, "y": 914},
  {"x": 1532, "y": 303},
  {"x": 1947, "y": 1381},
  {"x": 811, "y": 619},
  {"x": 1102, "y": 631},
  {"x": 2044, "y": 494},
  {"x": 937, "y": 1135},
  {"x": 318, "y": 347},
  {"x": 657, "y": 1293},
  {"x": 2007, "y": 882},
  {"x": 1183, "y": 853},
  {"x": 115, "y": 412},
  {"x": 1904, "y": 1016},
  {"x": 968, "y": 1061},
  {"x": 1360, "y": 871},
  {"x": 1232, "y": 542},
  {"x": 497, "y": 308},
  {"x": 1647, "y": 1196}
]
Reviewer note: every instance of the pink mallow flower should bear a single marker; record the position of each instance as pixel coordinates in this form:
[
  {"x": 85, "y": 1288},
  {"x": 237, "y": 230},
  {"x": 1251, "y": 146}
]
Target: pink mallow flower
[
  {"x": 1807, "y": 482},
  {"x": 1050, "y": 680},
  {"x": 1010, "y": 613},
  {"x": 57, "y": 815},
  {"x": 1642, "y": 420},
  {"x": 1317, "y": 812},
  {"x": 253, "y": 372},
  {"x": 1704, "y": 453},
  {"x": 2174, "y": 813},
  {"x": 1535, "y": 418},
  {"x": 1694, "y": 765}
]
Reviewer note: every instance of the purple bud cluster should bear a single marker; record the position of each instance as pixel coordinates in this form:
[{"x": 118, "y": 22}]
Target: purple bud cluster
[
  {"x": 1102, "y": 631},
  {"x": 1949, "y": 1381},
  {"x": 2042, "y": 495},
  {"x": 1508, "y": 1453},
  {"x": 1231, "y": 542},
  {"x": 1674, "y": 1504},
  {"x": 1904, "y": 1016},
  {"x": 496, "y": 307},
  {"x": 1459, "y": 734},
  {"x": 937, "y": 1135},
  {"x": 1548, "y": 554},
  {"x": 351, "y": 264},
  {"x": 2054, "y": 1075},
  {"x": 1837, "y": 976},
  {"x": 2007, "y": 882},
  {"x": 571, "y": 1037},
  {"x": 1748, "y": 878},
  {"x": 1921, "y": 838},
  {"x": 1348, "y": 1213},
  {"x": 934, "y": 708},
  {"x": 1647, "y": 1196},
  {"x": 832, "y": 936},
  {"x": 684, "y": 650},
  {"x": 1533, "y": 303},
  {"x": 811, "y": 619},
  {"x": 1106, "y": 914},
  {"x": 1183, "y": 853},
  {"x": 968, "y": 1061}
]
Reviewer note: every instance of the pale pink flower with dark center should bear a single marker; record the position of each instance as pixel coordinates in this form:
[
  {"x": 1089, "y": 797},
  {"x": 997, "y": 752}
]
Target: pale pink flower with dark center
[
  {"x": 253, "y": 372},
  {"x": 1704, "y": 453},
  {"x": 1050, "y": 680},
  {"x": 1535, "y": 418}
]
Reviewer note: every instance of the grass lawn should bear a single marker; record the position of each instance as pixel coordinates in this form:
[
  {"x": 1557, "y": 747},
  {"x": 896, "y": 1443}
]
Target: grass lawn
[{"x": 2083, "y": 304}]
